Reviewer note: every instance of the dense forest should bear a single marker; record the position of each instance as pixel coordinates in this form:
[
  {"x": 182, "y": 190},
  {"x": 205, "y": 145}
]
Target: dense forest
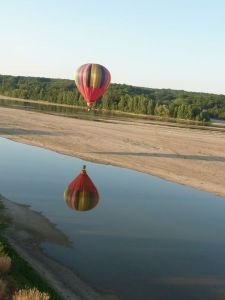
[{"x": 126, "y": 98}]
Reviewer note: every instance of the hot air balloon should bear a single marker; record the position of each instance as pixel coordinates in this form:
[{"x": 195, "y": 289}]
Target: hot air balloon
[
  {"x": 81, "y": 194},
  {"x": 92, "y": 80}
]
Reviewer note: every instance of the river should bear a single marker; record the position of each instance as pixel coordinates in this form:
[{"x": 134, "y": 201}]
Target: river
[{"x": 146, "y": 239}]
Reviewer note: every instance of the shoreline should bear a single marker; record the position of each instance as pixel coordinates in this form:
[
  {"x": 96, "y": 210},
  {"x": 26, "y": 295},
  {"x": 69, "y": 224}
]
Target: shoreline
[
  {"x": 194, "y": 158},
  {"x": 153, "y": 119},
  {"x": 25, "y": 232}
]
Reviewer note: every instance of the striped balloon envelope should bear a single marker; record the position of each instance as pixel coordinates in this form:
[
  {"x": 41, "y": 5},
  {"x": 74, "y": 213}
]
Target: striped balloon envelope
[
  {"x": 92, "y": 80},
  {"x": 81, "y": 194}
]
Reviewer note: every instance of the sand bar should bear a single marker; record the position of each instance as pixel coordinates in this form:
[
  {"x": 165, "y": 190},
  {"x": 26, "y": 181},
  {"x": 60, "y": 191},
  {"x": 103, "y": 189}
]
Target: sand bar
[{"x": 192, "y": 157}]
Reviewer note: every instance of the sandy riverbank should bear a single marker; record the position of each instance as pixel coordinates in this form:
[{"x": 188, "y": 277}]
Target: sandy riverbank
[
  {"x": 193, "y": 157},
  {"x": 26, "y": 231}
]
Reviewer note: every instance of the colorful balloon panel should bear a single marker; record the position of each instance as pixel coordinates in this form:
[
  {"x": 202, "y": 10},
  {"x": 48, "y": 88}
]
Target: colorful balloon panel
[
  {"x": 92, "y": 80},
  {"x": 81, "y": 194}
]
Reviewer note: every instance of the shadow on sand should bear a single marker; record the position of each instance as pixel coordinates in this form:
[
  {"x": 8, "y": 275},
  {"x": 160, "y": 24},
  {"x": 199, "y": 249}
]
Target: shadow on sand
[
  {"x": 21, "y": 131},
  {"x": 168, "y": 155}
]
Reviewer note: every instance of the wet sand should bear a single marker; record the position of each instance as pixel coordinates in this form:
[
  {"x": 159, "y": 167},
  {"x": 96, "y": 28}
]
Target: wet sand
[{"x": 192, "y": 157}]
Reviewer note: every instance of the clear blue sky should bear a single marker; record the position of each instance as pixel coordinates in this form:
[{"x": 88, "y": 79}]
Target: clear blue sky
[{"x": 177, "y": 44}]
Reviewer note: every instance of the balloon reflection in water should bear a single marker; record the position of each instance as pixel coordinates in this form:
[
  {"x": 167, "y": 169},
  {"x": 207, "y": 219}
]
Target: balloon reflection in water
[{"x": 81, "y": 194}]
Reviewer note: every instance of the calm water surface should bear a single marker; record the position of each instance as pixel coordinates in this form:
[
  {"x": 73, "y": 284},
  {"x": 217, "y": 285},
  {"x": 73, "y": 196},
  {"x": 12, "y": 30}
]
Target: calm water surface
[
  {"x": 96, "y": 115},
  {"x": 146, "y": 239},
  {"x": 73, "y": 112}
]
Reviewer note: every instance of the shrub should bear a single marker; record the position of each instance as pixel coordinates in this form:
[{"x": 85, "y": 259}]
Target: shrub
[
  {"x": 2, "y": 250},
  {"x": 29, "y": 294},
  {"x": 3, "y": 290},
  {"x": 5, "y": 264}
]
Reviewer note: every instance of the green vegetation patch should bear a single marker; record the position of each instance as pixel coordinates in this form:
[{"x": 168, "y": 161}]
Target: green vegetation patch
[
  {"x": 120, "y": 97},
  {"x": 21, "y": 275},
  {"x": 4, "y": 219}
]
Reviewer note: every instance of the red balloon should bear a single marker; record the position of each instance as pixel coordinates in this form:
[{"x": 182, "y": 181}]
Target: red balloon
[{"x": 92, "y": 80}]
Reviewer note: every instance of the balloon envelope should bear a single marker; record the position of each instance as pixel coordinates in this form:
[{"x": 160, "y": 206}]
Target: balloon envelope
[
  {"x": 81, "y": 194},
  {"x": 92, "y": 80}
]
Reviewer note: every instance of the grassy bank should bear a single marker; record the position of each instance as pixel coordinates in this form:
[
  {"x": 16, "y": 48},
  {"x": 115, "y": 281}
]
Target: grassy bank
[{"x": 20, "y": 274}]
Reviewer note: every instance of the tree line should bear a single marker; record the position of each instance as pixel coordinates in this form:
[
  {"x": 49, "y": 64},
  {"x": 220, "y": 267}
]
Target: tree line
[{"x": 160, "y": 102}]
